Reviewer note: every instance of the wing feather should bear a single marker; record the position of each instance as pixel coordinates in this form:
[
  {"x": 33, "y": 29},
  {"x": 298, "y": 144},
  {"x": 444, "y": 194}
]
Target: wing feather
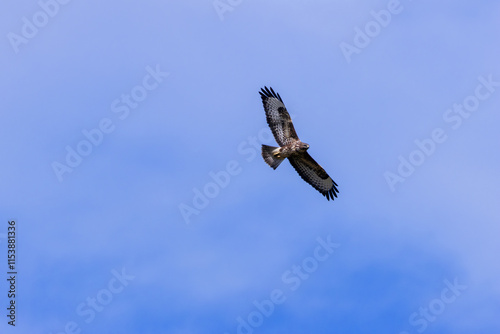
[
  {"x": 311, "y": 172},
  {"x": 278, "y": 118}
]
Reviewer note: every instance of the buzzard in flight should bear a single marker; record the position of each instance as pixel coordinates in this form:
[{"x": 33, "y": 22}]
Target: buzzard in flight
[{"x": 291, "y": 147}]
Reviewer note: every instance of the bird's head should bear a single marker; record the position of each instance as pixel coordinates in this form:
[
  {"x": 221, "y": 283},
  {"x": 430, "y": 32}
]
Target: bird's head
[{"x": 303, "y": 147}]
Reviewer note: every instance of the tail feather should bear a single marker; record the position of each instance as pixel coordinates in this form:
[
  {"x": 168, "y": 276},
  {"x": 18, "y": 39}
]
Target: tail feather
[{"x": 269, "y": 155}]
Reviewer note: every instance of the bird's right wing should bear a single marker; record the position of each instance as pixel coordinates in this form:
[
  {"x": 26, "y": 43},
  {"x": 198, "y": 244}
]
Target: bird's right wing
[{"x": 278, "y": 118}]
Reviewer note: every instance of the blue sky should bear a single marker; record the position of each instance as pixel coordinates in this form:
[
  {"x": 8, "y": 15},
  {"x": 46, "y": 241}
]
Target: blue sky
[{"x": 160, "y": 98}]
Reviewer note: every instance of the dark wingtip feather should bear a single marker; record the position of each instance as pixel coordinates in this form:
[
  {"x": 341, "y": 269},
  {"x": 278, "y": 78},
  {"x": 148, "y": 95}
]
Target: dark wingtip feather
[
  {"x": 268, "y": 93},
  {"x": 331, "y": 194}
]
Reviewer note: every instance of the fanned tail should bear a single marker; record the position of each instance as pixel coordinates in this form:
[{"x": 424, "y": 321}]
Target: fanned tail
[{"x": 269, "y": 155}]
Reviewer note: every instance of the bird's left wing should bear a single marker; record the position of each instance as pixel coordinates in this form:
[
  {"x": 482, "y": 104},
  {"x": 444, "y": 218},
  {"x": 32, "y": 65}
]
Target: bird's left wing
[{"x": 311, "y": 172}]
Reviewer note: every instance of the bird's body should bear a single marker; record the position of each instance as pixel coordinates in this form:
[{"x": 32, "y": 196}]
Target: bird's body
[
  {"x": 290, "y": 150},
  {"x": 292, "y": 147}
]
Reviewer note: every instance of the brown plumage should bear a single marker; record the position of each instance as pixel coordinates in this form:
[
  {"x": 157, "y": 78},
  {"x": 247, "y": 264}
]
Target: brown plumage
[{"x": 291, "y": 147}]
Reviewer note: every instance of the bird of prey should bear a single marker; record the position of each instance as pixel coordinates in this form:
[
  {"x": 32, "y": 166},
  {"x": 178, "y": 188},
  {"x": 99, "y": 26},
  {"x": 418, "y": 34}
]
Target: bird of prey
[{"x": 291, "y": 147}]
